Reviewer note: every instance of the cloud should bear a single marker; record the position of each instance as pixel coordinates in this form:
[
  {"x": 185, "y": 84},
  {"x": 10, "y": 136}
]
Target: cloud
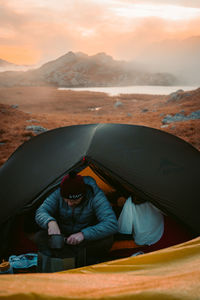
[
  {"x": 186, "y": 3},
  {"x": 45, "y": 29}
]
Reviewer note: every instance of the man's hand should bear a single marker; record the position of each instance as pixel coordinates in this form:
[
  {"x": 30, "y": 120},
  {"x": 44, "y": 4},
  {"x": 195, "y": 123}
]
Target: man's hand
[
  {"x": 53, "y": 228},
  {"x": 75, "y": 239}
]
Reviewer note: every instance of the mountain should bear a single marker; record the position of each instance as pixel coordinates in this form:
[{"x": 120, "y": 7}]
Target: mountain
[
  {"x": 5, "y": 65},
  {"x": 8, "y": 66},
  {"x": 179, "y": 57},
  {"x": 81, "y": 70}
]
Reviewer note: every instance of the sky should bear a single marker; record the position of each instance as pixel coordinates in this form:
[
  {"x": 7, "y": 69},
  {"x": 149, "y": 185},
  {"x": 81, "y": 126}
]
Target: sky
[{"x": 36, "y": 31}]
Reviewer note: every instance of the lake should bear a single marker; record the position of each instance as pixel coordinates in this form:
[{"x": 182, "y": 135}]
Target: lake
[{"x": 136, "y": 89}]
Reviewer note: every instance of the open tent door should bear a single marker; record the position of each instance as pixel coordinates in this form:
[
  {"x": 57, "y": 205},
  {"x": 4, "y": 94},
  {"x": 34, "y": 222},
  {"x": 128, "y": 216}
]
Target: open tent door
[
  {"x": 38, "y": 166},
  {"x": 157, "y": 166},
  {"x": 24, "y": 224},
  {"x": 100, "y": 182}
]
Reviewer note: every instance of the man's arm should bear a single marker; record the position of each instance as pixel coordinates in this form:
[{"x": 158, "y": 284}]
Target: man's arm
[
  {"x": 75, "y": 238},
  {"x": 45, "y": 213},
  {"x": 107, "y": 222},
  {"x": 53, "y": 228}
]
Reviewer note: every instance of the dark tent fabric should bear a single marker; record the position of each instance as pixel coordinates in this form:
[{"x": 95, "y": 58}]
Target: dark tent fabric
[{"x": 156, "y": 165}]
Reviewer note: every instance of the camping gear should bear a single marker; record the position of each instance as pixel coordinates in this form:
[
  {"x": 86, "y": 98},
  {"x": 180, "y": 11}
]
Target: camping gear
[
  {"x": 20, "y": 263},
  {"x": 56, "y": 241},
  {"x": 24, "y": 263},
  {"x": 6, "y": 267},
  {"x": 155, "y": 165},
  {"x": 171, "y": 273},
  {"x": 70, "y": 258},
  {"x": 48, "y": 264},
  {"x": 138, "y": 253}
]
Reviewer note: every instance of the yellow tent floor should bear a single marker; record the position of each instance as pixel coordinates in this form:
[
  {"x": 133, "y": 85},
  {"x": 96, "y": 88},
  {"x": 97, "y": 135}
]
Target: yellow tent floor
[{"x": 171, "y": 273}]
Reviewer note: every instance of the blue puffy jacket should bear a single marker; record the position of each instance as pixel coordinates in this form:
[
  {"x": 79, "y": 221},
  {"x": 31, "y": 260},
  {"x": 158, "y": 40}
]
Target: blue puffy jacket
[{"x": 94, "y": 216}]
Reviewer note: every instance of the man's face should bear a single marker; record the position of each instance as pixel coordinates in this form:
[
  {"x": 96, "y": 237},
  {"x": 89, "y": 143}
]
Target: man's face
[{"x": 73, "y": 202}]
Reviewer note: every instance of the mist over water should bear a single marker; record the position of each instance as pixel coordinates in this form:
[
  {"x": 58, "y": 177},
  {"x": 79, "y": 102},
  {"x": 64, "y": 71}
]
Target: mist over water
[
  {"x": 136, "y": 89},
  {"x": 177, "y": 57}
]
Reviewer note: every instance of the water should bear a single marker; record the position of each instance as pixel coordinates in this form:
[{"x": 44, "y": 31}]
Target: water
[{"x": 136, "y": 89}]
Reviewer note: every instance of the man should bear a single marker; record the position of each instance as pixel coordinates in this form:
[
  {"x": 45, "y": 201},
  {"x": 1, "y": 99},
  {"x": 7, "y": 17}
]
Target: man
[{"x": 79, "y": 210}]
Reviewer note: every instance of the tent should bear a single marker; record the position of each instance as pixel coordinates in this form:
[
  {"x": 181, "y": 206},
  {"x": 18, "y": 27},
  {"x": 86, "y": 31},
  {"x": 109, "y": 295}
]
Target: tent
[
  {"x": 171, "y": 273},
  {"x": 157, "y": 166}
]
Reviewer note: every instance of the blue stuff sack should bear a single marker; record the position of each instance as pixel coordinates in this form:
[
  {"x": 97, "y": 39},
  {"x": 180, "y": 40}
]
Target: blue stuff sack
[{"x": 23, "y": 261}]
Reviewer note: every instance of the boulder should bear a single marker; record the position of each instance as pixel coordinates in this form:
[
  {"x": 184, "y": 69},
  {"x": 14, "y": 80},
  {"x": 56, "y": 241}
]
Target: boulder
[{"x": 36, "y": 129}]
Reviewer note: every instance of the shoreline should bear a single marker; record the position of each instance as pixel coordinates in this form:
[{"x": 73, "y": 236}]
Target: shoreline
[{"x": 145, "y": 89}]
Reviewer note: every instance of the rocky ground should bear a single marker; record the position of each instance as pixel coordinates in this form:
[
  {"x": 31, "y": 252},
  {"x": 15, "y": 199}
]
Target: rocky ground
[{"x": 28, "y": 111}]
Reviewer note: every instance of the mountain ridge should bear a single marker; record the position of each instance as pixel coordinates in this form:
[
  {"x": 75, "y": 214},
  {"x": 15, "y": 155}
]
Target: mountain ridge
[
  {"x": 81, "y": 70},
  {"x": 5, "y": 63}
]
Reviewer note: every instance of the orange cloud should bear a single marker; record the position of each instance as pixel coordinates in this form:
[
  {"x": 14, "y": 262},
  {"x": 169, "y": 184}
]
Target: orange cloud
[{"x": 37, "y": 31}]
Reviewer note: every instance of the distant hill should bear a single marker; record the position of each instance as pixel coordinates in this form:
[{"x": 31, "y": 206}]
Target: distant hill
[
  {"x": 6, "y": 64},
  {"x": 81, "y": 70}
]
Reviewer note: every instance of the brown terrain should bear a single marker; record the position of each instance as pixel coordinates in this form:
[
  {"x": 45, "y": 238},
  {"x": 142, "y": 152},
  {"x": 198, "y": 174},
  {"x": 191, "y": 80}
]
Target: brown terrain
[{"x": 51, "y": 108}]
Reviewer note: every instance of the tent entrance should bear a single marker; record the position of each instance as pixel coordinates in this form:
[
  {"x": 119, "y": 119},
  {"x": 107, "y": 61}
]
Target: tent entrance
[{"x": 24, "y": 224}]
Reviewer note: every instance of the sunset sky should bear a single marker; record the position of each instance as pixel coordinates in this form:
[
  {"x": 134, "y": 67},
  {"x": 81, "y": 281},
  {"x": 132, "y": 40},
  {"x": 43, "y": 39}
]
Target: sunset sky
[{"x": 36, "y": 31}]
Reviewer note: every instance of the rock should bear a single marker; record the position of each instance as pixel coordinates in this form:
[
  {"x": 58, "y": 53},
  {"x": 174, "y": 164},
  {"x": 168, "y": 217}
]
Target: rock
[
  {"x": 181, "y": 117},
  {"x": 36, "y": 129},
  {"x": 187, "y": 94},
  {"x": 74, "y": 82},
  {"x": 118, "y": 104},
  {"x": 33, "y": 121},
  {"x": 94, "y": 108},
  {"x": 15, "y": 106},
  {"x": 145, "y": 110},
  {"x": 175, "y": 96},
  {"x": 194, "y": 115},
  {"x": 177, "y": 117}
]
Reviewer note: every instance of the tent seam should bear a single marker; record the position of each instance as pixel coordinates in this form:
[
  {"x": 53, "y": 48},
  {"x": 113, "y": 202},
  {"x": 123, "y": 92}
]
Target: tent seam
[{"x": 92, "y": 137}]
